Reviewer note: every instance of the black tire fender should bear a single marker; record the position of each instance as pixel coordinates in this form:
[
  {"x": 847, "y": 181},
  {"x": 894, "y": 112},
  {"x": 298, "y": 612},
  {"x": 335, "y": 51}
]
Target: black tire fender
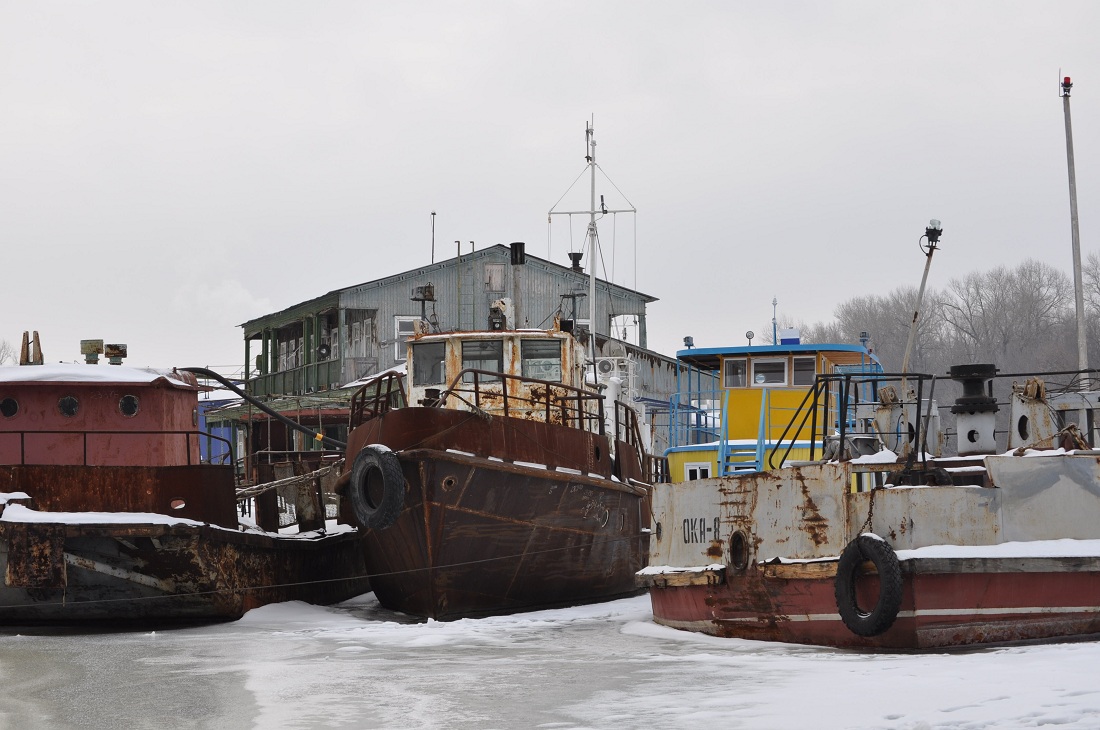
[
  {"x": 882, "y": 616},
  {"x": 376, "y": 488}
]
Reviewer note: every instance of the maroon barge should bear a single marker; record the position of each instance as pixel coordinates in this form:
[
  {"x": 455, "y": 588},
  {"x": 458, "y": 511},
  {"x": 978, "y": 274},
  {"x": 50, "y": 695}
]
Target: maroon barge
[
  {"x": 903, "y": 550},
  {"x": 108, "y": 514},
  {"x": 513, "y": 488}
]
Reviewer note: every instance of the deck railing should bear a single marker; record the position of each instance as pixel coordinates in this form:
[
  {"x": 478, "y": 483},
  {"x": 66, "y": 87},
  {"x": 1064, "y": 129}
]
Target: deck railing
[
  {"x": 377, "y": 397},
  {"x": 494, "y": 392}
]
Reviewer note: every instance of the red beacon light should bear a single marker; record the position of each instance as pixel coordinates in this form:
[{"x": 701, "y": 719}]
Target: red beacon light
[{"x": 1066, "y": 82}]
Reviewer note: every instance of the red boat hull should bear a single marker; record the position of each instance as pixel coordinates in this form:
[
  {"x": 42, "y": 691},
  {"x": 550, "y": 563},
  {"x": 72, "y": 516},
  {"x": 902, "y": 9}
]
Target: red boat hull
[{"x": 946, "y": 602}]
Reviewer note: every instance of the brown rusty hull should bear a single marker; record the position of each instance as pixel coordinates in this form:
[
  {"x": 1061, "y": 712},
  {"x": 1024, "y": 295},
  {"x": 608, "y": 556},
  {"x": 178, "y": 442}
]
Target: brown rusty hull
[
  {"x": 946, "y": 602},
  {"x": 479, "y": 537},
  {"x": 75, "y": 573}
]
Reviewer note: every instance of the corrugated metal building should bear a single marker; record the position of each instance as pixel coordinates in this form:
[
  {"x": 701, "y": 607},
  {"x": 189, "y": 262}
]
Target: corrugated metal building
[{"x": 351, "y": 333}]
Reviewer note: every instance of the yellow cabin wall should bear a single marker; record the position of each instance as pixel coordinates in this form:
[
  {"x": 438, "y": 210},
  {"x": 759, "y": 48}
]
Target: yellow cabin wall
[
  {"x": 743, "y": 412},
  {"x": 678, "y": 460}
]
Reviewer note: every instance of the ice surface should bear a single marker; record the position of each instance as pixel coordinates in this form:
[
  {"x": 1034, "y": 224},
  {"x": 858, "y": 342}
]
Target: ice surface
[{"x": 294, "y": 665}]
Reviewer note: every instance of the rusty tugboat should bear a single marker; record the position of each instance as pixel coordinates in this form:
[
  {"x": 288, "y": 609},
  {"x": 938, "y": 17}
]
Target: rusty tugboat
[
  {"x": 872, "y": 538},
  {"x": 109, "y": 516},
  {"x": 494, "y": 477}
]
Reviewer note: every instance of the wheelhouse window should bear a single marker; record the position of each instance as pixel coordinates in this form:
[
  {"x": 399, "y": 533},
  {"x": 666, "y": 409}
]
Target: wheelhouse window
[
  {"x": 429, "y": 363},
  {"x": 804, "y": 370},
  {"x": 540, "y": 359},
  {"x": 483, "y": 355},
  {"x": 769, "y": 372},
  {"x": 734, "y": 373}
]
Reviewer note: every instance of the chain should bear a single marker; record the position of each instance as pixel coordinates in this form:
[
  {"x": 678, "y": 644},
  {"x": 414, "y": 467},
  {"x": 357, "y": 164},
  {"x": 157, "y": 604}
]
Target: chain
[{"x": 870, "y": 511}]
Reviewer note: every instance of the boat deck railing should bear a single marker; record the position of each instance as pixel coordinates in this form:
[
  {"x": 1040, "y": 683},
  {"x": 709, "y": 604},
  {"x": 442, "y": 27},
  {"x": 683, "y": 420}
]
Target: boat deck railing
[
  {"x": 492, "y": 392},
  {"x": 377, "y": 397},
  {"x": 839, "y": 407}
]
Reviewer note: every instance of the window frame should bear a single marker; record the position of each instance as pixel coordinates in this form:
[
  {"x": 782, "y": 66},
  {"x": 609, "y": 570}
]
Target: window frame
[
  {"x": 744, "y": 361},
  {"x": 417, "y": 377},
  {"x": 523, "y": 360},
  {"x": 769, "y": 361},
  {"x": 697, "y": 466},
  {"x": 794, "y": 369},
  {"x": 468, "y": 377},
  {"x": 401, "y": 339}
]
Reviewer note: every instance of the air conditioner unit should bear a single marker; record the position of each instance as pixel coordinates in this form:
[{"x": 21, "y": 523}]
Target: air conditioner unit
[{"x": 613, "y": 367}]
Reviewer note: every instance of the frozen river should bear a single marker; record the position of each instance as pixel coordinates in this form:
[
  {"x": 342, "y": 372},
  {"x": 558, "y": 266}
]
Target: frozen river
[{"x": 604, "y": 666}]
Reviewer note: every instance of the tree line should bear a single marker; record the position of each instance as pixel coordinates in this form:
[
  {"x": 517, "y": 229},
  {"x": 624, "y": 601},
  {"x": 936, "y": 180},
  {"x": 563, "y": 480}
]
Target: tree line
[{"x": 1020, "y": 319}]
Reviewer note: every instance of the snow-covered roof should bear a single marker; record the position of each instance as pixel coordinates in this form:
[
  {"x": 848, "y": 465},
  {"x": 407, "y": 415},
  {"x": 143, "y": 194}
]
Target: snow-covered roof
[{"x": 76, "y": 373}]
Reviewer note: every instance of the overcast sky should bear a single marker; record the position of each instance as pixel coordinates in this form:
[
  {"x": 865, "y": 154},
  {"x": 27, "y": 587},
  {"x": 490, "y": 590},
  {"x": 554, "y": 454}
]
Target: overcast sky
[{"x": 171, "y": 170}]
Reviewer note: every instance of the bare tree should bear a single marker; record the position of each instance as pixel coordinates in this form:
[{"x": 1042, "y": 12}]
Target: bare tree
[
  {"x": 886, "y": 319},
  {"x": 7, "y": 352},
  {"x": 1014, "y": 318}
]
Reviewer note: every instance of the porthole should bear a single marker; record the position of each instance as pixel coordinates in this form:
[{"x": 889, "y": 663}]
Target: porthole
[
  {"x": 69, "y": 406},
  {"x": 177, "y": 504},
  {"x": 128, "y": 405},
  {"x": 1022, "y": 428},
  {"x": 739, "y": 551},
  {"x": 9, "y": 407}
]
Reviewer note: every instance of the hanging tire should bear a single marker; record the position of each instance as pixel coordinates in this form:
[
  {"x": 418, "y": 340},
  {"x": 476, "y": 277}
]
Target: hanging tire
[
  {"x": 882, "y": 616},
  {"x": 377, "y": 488}
]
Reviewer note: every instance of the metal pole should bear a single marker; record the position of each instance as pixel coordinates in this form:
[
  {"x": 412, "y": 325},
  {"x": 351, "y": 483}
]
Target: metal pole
[
  {"x": 932, "y": 233},
  {"x": 433, "y": 236},
  {"x": 592, "y": 243},
  {"x": 1079, "y": 295},
  {"x": 775, "y": 337}
]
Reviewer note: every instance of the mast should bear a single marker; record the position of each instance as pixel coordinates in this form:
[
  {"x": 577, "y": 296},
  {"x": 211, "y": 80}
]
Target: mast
[
  {"x": 1082, "y": 344},
  {"x": 592, "y": 234},
  {"x": 590, "y": 139}
]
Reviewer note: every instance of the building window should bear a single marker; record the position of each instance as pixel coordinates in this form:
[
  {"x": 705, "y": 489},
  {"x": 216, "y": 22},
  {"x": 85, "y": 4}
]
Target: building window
[
  {"x": 734, "y": 373},
  {"x": 429, "y": 363},
  {"x": 483, "y": 355},
  {"x": 696, "y": 470},
  {"x": 541, "y": 359},
  {"x": 494, "y": 277},
  {"x": 769, "y": 372},
  {"x": 804, "y": 370},
  {"x": 403, "y": 329}
]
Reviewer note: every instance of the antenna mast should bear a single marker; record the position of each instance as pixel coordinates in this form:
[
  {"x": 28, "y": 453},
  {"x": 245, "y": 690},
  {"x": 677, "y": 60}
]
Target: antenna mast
[
  {"x": 592, "y": 235},
  {"x": 590, "y": 139},
  {"x": 1082, "y": 343}
]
